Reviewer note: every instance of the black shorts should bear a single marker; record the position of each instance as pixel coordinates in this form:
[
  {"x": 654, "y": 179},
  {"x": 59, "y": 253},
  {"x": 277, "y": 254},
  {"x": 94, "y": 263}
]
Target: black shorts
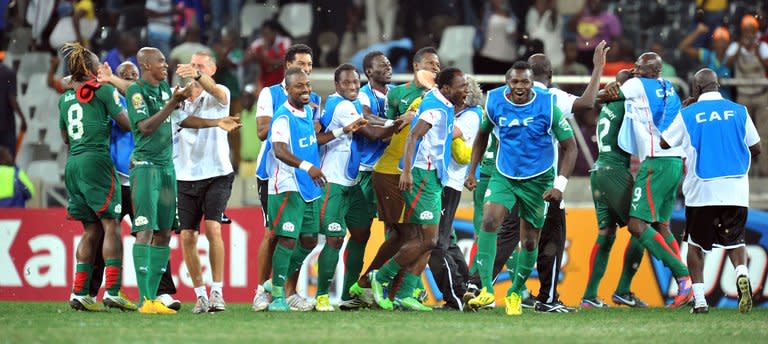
[
  {"x": 715, "y": 226},
  {"x": 262, "y": 186},
  {"x": 207, "y": 197}
]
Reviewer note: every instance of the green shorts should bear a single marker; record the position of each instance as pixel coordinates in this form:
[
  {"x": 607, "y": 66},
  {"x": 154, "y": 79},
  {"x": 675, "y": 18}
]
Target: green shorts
[
  {"x": 93, "y": 188},
  {"x": 424, "y": 202},
  {"x": 653, "y": 197},
  {"x": 611, "y": 192},
  {"x": 153, "y": 190},
  {"x": 362, "y": 202},
  {"x": 291, "y": 216},
  {"x": 333, "y": 209},
  {"x": 478, "y": 197},
  {"x": 529, "y": 192}
]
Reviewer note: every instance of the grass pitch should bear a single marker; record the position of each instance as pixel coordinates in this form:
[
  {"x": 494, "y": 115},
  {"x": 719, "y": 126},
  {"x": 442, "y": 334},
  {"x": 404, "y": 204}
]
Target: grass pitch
[{"x": 37, "y": 322}]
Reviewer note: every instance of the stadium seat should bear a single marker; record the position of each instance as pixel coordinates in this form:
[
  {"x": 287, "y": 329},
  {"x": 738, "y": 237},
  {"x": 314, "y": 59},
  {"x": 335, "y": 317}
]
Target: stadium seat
[
  {"x": 296, "y": 18},
  {"x": 22, "y": 37},
  {"x": 456, "y": 47},
  {"x": 45, "y": 170},
  {"x": 33, "y": 151},
  {"x": 252, "y": 15},
  {"x": 31, "y": 63}
]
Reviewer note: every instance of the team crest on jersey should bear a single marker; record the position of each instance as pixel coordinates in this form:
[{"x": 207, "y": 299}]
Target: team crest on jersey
[
  {"x": 288, "y": 227},
  {"x": 140, "y": 221},
  {"x": 334, "y": 227},
  {"x": 137, "y": 100},
  {"x": 426, "y": 215}
]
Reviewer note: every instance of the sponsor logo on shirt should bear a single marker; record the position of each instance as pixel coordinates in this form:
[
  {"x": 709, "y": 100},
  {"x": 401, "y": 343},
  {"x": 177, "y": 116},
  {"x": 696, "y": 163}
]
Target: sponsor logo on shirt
[
  {"x": 288, "y": 227},
  {"x": 334, "y": 227},
  {"x": 426, "y": 215},
  {"x": 141, "y": 221}
]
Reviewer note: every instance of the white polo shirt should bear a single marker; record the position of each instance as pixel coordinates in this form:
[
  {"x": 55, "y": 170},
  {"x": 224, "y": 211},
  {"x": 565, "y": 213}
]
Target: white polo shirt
[
  {"x": 732, "y": 191},
  {"x": 203, "y": 153},
  {"x": 430, "y": 151},
  {"x": 469, "y": 124},
  {"x": 282, "y": 176}
]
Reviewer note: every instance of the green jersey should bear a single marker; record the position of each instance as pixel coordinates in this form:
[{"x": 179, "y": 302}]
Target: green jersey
[
  {"x": 88, "y": 124},
  {"x": 608, "y": 125},
  {"x": 399, "y": 98},
  {"x": 145, "y": 100},
  {"x": 488, "y": 165}
]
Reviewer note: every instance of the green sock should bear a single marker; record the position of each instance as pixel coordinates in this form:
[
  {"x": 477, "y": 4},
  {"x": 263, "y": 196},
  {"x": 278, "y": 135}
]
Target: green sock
[
  {"x": 597, "y": 263},
  {"x": 655, "y": 244},
  {"x": 281, "y": 259},
  {"x": 420, "y": 284},
  {"x": 329, "y": 258},
  {"x": 632, "y": 258},
  {"x": 669, "y": 238},
  {"x": 409, "y": 284},
  {"x": 141, "y": 266},
  {"x": 486, "y": 253},
  {"x": 158, "y": 261},
  {"x": 388, "y": 271},
  {"x": 113, "y": 275},
  {"x": 511, "y": 265},
  {"x": 297, "y": 258},
  {"x": 353, "y": 264},
  {"x": 525, "y": 262},
  {"x": 83, "y": 273}
]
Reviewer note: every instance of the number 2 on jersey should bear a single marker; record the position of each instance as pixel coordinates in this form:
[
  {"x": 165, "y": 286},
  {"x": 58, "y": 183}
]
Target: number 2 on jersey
[
  {"x": 75, "y": 122},
  {"x": 603, "y": 126}
]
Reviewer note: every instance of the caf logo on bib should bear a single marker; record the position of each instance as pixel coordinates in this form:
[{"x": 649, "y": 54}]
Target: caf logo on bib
[
  {"x": 288, "y": 227},
  {"x": 426, "y": 215}
]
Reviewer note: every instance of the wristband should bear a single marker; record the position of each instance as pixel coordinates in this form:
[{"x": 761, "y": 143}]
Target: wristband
[
  {"x": 560, "y": 183},
  {"x": 388, "y": 123},
  {"x": 305, "y": 166},
  {"x": 338, "y": 132}
]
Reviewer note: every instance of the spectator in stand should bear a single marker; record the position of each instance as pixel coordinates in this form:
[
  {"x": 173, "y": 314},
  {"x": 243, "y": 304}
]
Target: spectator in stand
[
  {"x": 713, "y": 57},
  {"x": 15, "y": 187},
  {"x": 749, "y": 59},
  {"x": 159, "y": 24},
  {"x": 183, "y": 52},
  {"x": 621, "y": 56},
  {"x": 250, "y": 144},
  {"x": 570, "y": 65},
  {"x": 542, "y": 22},
  {"x": 594, "y": 24},
  {"x": 126, "y": 49},
  {"x": 667, "y": 70},
  {"x": 500, "y": 33},
  {"x": 269, "y": 51},
  {"x": 225, "y": 13},
  {"x": 587, "y": 121},
  {"x": 9, "y": 106},
  {"x": 380, "y": 18},
  {"x": 711, "y": 15},
  {"x": 355, "y": 38}
]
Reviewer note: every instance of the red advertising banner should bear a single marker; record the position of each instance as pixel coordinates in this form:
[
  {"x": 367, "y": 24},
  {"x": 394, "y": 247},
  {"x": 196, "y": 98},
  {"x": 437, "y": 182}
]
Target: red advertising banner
[{"x": 37, "y": 256}]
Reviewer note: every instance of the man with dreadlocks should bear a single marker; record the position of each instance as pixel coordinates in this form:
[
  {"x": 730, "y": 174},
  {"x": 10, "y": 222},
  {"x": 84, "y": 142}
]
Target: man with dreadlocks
[
  {"x": 152, "y": 107},
  {"x": 84, "y": 119}
]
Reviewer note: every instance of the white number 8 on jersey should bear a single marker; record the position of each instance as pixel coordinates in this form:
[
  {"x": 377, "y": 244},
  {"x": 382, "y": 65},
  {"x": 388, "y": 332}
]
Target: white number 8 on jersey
[{"x": 75, "y": 122}]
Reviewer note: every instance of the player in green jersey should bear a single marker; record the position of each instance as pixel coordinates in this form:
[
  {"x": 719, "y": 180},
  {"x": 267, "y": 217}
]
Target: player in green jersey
[
  {"x": 90, "y": 178},
  {"x": 151, "y": 108},
  {"x": 611, "y": 192}
]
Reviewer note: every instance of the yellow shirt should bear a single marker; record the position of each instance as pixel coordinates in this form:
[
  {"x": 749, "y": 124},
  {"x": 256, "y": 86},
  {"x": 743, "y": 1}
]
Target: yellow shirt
[
  {"x": 400, "y": 100},
  {"x": 713, "y": 5}
]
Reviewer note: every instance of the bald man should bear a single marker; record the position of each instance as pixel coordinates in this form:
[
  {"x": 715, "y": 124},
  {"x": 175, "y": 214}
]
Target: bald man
[
  {"x": 716, "y": 187},
  {"x": 651, "y": 104},
  {"x": 151, "y": 107}
]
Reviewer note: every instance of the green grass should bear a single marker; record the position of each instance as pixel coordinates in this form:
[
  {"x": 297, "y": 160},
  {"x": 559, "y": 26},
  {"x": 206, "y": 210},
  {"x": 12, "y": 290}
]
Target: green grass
[{"x": 55, "y": 322}]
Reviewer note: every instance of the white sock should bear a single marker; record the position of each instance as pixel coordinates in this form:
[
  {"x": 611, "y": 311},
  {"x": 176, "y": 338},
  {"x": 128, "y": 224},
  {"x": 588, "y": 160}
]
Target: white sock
[
  {"x": 200, "y": 292},
  {"x": 216, "y": 287},
  {"x": 698, "y": 294},
  {"x": 742, "y": 270}
]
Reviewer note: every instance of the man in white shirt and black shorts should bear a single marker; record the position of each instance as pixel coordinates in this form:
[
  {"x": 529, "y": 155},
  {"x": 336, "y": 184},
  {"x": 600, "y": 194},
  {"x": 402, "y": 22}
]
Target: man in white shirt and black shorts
[{"x": 204, "y": 173}]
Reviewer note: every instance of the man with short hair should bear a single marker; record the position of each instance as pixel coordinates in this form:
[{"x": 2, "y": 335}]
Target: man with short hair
[
  {"x": 651, "y": 104},
  {"x": 527, "y": 122},
  {"x": 386, "y": 175},
  {"x": 340, "y": 160},
  {"x": 295, "y": 181},
  {"x": 372, "y": 97},
  {"x": 270, "y": 100},
  {"x": 719, "y": 139},
  {"x": 205, "y": 177}
]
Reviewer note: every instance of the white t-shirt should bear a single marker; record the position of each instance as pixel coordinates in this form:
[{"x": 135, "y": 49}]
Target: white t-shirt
[
  {"x": 203, "y": 153},
  {"x": 264, "y": 109},
  {"x": 469, "y": 124},
  {"x": 160, "y": 24},
  {"x": 762, "y": 50},
  {"x": 722, "y": 191},
  {"x": 430, "y": 151},
  {"x": 646, "y": 134},
  {"x": 564, "y": 101},
  {"x": 282, "y": 177},
  {"x": 334, "y": 155}
]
